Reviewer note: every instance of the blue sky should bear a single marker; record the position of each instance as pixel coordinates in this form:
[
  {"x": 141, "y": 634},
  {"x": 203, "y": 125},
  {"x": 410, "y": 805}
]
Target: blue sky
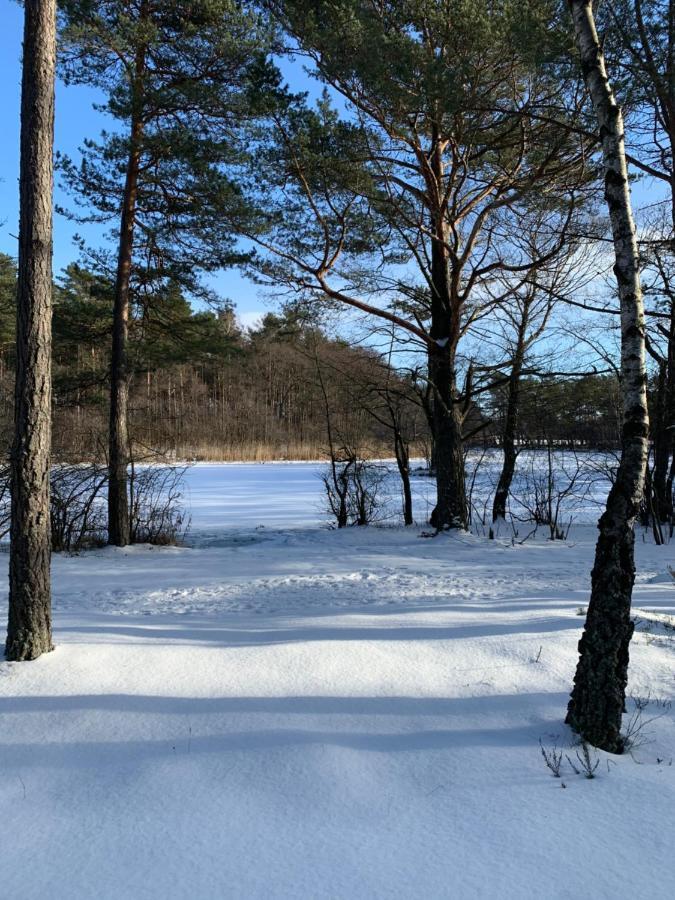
[{"x": 75, "y": 118}]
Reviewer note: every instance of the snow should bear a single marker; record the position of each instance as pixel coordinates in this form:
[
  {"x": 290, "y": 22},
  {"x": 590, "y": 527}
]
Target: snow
[{"x": 290, "y": 711}]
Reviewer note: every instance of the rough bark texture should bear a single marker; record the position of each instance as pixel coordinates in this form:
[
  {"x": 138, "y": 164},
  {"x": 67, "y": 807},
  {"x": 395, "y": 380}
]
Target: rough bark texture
[
  {"x": 451, "y": 508},
  {"x": 451, "y": 505},
  {"x": 598, "y": 696},
  {"x": 118, "y": 450},
  {"x": 29, "y": 628}
]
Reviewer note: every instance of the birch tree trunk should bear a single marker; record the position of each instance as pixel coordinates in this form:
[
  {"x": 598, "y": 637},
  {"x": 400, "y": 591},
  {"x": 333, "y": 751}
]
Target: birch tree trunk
[
  {"x": 29, "y": 627},
  {"x": 598, "y": 696}
]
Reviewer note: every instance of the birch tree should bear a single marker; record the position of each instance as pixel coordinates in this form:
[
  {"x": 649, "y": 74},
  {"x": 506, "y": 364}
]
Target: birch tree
[{"x": 598, "y": 696}]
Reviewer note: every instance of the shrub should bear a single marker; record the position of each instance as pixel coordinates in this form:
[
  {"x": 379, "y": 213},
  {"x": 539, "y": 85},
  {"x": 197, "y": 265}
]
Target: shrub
[{"x": 156, "y": 513}]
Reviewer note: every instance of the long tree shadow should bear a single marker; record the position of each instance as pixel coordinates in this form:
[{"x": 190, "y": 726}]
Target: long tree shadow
[
  {"x": 287, "y": 630},
  {"x": 230, "y": 724}
]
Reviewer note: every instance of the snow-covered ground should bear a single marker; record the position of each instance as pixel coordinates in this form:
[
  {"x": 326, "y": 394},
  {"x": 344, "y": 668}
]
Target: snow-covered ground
[{"x": 290, "y": 711}]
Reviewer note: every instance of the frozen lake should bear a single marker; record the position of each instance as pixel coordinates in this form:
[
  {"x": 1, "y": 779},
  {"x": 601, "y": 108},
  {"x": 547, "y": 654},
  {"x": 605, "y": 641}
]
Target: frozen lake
[{"x": 290, "y": 495}]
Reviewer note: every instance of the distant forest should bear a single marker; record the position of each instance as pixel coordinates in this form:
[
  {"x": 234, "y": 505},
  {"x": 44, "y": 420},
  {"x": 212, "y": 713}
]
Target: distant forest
[{"x": 204, "y": 388}]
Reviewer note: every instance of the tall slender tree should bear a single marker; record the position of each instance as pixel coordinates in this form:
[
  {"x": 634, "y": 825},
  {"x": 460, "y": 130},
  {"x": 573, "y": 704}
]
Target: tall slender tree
[
  {"x": 29, "y": 632},
  {"x": 598, "y": 697},
  {"x": 170, "y": 71}
]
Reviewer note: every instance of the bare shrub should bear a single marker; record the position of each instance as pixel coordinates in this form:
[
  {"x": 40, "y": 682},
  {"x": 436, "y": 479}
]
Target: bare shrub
[
  {"x": 546, "y": 490},
  {"x": 353, "y": 489},
  {"x": 366, "y": 500},
  {"x": 476, "y": 517},
  {"x": 635, "y": 730},
  {"x": 155, "y": 508},
  {"x": 552, "y": 757},
  {"x": 587, "y": 763},
  {"x": 78, "y": 514},
  {"x": 78, "y": 509},
  {"x": 336, "y": 486}
]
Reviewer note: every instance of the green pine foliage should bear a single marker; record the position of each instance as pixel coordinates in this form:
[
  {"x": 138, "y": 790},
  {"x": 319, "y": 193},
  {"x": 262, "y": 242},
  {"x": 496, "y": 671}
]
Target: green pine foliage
[{"x": 184, "y": 75}]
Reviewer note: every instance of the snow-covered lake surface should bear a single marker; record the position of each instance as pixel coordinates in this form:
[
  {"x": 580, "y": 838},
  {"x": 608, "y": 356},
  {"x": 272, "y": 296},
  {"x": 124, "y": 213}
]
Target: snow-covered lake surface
[
  {"x": 288, "y": 711},
  {"x": 233, "y": 496}
]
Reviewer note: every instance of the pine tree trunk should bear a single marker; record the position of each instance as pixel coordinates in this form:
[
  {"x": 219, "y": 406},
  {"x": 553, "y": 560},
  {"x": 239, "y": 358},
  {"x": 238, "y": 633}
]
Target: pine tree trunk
[
  {"x": 29, "y": 629},
  {"x": 450, "y": 511},
  {"x": 119, "y": 529},
  {"x": 598, "y": 696},
  {"x": 451, "y": 504}
]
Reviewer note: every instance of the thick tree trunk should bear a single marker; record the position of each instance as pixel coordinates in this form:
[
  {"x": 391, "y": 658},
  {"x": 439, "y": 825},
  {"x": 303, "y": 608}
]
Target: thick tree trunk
[
  {"x": 451, "y": 504},
  {"x": 598, "y": 696},
  {"x": 29, "y": 629},
  {"x": 118, "y": 450},
  {"x": 450, "y": 511}
]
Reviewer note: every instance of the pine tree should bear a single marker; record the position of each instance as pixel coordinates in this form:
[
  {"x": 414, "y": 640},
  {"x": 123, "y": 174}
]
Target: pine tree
[
  {"x": 449, "y": 148},
  {"x": 171, "y": 72},
  {"x": 29, "y": 631}
]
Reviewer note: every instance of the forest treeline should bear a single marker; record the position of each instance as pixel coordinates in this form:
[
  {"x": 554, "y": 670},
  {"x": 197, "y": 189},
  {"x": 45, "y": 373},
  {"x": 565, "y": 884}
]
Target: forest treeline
[{"x": 204, "y": 388}]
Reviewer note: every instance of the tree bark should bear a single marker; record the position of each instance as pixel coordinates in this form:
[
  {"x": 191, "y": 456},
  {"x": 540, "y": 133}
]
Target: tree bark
[
  {"x": 511, "y": 424},
  {"x": 119, "y": 530},
  {"x": 402, "y": 454},
  {"x": 662, "y": 508},
  {"x": 598, "y": 696},
  {"x": 450, "y": 510},
  {"x": 29, "y": 627},
  {"x": 663, "y": 428},
  {"x": 451, "y": 504}
]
